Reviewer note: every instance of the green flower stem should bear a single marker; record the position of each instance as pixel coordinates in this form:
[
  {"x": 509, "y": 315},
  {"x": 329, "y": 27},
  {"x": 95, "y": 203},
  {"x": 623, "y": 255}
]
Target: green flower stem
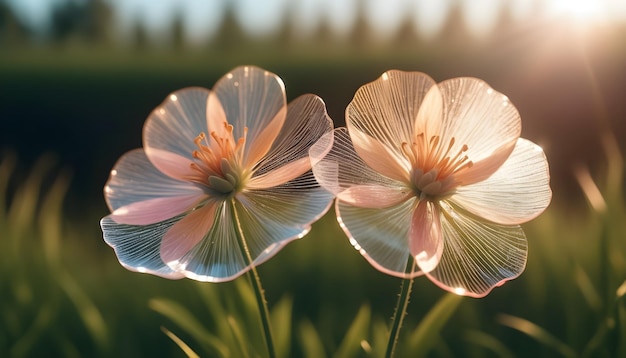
[
  {"x": 400, "y": 312},
  {"x": 256, "y": 284}
]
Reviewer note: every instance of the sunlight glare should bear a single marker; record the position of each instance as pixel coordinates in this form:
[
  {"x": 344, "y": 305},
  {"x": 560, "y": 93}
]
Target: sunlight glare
[{"x": 581, "y": 11}]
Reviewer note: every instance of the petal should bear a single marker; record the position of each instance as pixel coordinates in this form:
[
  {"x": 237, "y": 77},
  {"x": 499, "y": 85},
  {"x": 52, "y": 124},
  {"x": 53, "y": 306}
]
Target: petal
[
  {"x": 137, "y": 247},
  {"x": 280, "y": 175},
  {"x": 268, "y": 219},
  {"x": 478, "y": 255},
  {"x": 382, "y": 116},
  {"x": 216, "y": 256},
  {"x": 430, "y": 114},
  {"x": 154, "y": 210},
  {"x": 280, "y": 214},
  {"x": 186, "y": 234},
  {"x": 288, "y": 158},
  {"x": 253, "y": 98},
  {"x": 374, "y": 196},
  {"x": 337, "y": 166},
  {"x": 425, "y": 238},
  {"x": 379, "y": 157},
  {"x": 516, "y": 193},
  {"x": 140, "y": 194},
  {"x": 387, "y": 108},
  {"x": 170, "y": 130},
  {"x": 380, "y": 235},
  {"x": 477, "y": 116}
]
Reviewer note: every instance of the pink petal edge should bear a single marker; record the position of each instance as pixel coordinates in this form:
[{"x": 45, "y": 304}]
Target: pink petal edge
[
  {"x": 186, "y": 234},
  {"x": 425, "y": 236}
]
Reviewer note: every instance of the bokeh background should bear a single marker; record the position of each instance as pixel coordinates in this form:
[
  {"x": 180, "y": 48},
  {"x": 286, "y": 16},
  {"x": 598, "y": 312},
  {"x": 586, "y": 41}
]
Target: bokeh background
[{"x": 79, "y": 77}]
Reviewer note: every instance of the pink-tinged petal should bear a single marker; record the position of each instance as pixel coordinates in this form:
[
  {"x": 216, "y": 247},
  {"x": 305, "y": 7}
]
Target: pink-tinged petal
[
  {"x": 430, "y": 114},
  {"x": 477, "y": 116},
  {"x": 280, "y": 175},
  {"x": 186, "y": 234},
  {"x": 379, "y": 157},
  {"x": 134, "y": 179},
  {"x": 211, "y": 255},
  {"x": 172, "y": 164},
  {"x": 387, "y": 108},
  {"x": 154, "y": 210},
  {"x": 478, "y": 255},
  {"x": 337, "y": 166},
  {"x": 253, "y": 98},
  {"x": 425, "y": 237},
  {"x": 256, "y": 149},
  {"x": 172, "y": 128},
  {"x": 216, "y": 116},
  {"x": 137, "y": 247},
  {"x": 483, "y": 169},
  {"x": 268, "y": 220},
  {"x": 306, "y": 122},
  {"x": 380, "y": 235},
  {"x": 374, "y": 196},
  {"x": 516, "y": 193}
]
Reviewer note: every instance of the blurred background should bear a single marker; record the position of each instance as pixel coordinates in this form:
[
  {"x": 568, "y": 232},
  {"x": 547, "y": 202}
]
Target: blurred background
[{"x": 79, "y": 77}]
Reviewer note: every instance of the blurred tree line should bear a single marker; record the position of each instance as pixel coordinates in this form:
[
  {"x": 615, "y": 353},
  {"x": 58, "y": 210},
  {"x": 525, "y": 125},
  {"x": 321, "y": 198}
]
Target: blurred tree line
[{"x": 92, "y": 23}]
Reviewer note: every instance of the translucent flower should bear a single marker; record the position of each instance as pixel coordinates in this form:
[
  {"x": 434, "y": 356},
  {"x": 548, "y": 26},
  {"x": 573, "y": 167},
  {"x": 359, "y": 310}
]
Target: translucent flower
[
  {"x": 217, "y": 165},
  {"x": 438, "y": 172}
]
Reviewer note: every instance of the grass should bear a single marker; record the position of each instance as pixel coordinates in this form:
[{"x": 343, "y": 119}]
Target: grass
[{"x": 62, "y": 293}]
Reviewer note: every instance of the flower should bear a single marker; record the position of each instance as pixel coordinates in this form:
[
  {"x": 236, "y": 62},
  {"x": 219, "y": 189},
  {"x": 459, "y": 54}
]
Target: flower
[
  {"x": 437, "y": 172},
  {"x": 217, "y": 165}
]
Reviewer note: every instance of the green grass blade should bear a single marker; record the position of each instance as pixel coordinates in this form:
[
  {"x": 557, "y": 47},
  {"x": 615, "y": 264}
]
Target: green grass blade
[
  {"x": 240, "y": 338},
  {"x": 7, "y": 166},
  {"x": 50, "y": 219},
  {"x": 281, "y": 325},
  {"x": 312, "y": 346},
  {"x": 425, "y": 335},
  {"x": 180, "y": 343},
  {"x": 489, "y": 342},
  {"x": 185, "y": 320},
  {"x": 537, "y": 333},
  {"x": 23, "y": 345},
  {"x": 89, "y": 313},
  {"x": 357, "y": 332}
]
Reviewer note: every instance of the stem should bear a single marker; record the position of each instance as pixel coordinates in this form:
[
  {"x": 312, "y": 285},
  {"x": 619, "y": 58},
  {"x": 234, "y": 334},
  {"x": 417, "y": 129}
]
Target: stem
[
  {"x": 256, "y": 284},
  {"x": 400, "y": 312}
]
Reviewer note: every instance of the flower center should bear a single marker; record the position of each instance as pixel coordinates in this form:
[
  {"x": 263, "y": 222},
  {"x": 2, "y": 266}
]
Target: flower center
[
  {"x": 218, "y": 161},
  {"x": 434, "y": 165}
]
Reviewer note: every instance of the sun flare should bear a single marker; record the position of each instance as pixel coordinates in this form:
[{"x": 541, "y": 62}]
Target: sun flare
[{"x": 581, "y": 11}]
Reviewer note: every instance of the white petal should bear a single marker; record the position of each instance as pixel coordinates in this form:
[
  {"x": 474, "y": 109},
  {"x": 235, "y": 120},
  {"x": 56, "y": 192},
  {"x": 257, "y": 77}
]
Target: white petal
[
  {"x": 516, "y": 193},
  {"x": 478, "y": 255},
  {"x": 380, "y": 235},
  {"x": 337, "y": 166},
  {"x": 477, "y": 116},
  {"x": 255, "y": 99},
  {"x": 138, "y": 247},
  {"x": 172, "y": 127},
  {"x": 136, "y": 189}
]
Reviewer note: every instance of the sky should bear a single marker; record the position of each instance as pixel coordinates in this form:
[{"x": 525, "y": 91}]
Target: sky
[{"x": 202, "y": 17}]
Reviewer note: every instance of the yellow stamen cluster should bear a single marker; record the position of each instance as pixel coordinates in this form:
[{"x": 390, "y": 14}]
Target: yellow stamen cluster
[
  {"x": 219, "y": 159},
  {"x": 433, "y": 164}
]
